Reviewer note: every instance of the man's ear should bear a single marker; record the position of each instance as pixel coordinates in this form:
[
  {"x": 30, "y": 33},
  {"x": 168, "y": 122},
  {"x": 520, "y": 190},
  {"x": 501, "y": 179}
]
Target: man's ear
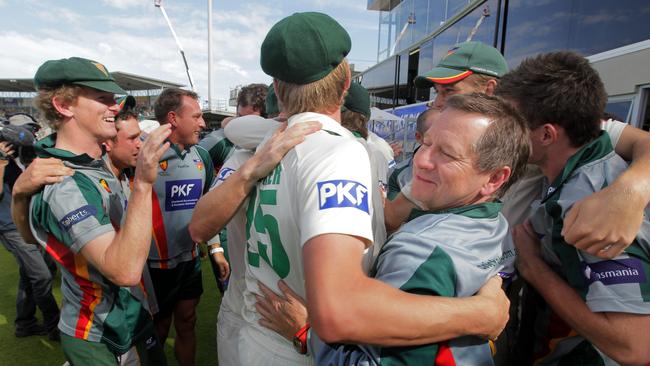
[
  {"x": 490, "y": 86},
  {"x": 62, "y": 107},
  {"x": 497, "y": 179},
  {"x": 549, "y": 134},
  {"x": 107, "y": 146},
  {"x": 418, "y": 137},
  {"x": 172, "y": 119}
]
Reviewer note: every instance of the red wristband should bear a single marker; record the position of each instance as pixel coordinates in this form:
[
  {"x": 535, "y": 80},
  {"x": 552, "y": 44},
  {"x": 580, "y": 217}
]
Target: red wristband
[{"x": 300, "y": 340}]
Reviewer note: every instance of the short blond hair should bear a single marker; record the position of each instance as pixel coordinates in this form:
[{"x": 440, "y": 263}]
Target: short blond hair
[
  {"x": 322, "y": 96},
  {"x": 66, "y": 93}
]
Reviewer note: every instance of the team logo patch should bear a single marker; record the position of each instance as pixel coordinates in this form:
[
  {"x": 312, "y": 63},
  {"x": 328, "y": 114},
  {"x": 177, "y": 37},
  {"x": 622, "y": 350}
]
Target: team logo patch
[
  {"x": 163, "y": 165},
  {"x": 101, "y": 68},
  {"x": 198, "y": 163},
  {"x": 342, "y": 193},
  {"x": 104, "y": 184},
  {"x": 614, "y": 272},
  {"x": 451, "y": 51},
  {"x": 182, "y": 194},
  {"x": 77, "y": 216},
  {"x": 224, "y": 173}
]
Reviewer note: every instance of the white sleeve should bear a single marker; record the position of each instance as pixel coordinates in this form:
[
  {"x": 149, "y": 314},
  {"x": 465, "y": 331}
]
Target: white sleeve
[
  {"x": 335, "y": 193},
  {"x": 248, "y": 131},
  {"x": 614, "y": 128},
  {"x": 231, "y": 165}
]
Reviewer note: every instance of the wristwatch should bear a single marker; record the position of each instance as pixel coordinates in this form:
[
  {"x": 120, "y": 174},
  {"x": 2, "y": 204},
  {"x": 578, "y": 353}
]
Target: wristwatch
[{"x": 300, "y": 340}]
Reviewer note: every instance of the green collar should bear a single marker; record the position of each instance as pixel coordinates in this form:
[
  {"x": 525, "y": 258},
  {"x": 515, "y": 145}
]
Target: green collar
[
  {"x": 486, "y": 210},
  {"x": 45, "y": 149},
  {"x": 181, "y": 153},
  {"x": 592, "y": 151},
  {"x": 357, "y": 134}
]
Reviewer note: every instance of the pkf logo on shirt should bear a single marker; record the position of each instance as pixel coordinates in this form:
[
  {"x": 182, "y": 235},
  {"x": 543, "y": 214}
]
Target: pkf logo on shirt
[
  {"x": 615, "y": 271},
  {"x": 182, "y": 194},
  {"x": 342, "y": 193},
  {"x": 77, "y": 216}
]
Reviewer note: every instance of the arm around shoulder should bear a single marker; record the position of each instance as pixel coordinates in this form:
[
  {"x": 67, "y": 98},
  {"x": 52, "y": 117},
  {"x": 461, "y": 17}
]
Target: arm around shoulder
[{"x": 347, "y": 306}]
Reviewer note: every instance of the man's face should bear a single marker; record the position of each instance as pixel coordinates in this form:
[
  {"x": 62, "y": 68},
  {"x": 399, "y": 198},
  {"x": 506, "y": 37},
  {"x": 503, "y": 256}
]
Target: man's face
[
  {"x": 444, "y": 91},
  {"x": 189, "y": 122},
  {"x": 245, "y": 111},
  {"x": 124, "y": 149},
  {"x": 94, "y": 111},
  {"x": 444, "y": 173}
]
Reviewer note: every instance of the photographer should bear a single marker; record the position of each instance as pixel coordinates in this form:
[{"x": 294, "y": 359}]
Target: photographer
[{"x": 35, "y": 284}]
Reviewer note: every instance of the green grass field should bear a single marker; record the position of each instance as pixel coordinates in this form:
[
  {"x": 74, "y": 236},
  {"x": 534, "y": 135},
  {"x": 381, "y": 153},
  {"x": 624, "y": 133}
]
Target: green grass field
[{"x": 40, "y": 351}]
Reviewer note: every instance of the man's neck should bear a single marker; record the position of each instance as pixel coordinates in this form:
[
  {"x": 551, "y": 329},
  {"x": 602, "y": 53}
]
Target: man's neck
[
  {"x": 116, "y": 171},
  {"x": 173, "y": 138},
  {"x": 336, "y": 115},
  {"x": 556, "y": 160},
  {"x": 74, "y": 140}
]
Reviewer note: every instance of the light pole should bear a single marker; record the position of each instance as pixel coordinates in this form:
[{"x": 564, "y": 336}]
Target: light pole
[
  {"x": 158, "y": 4},
  {"x": 210, "y": 55}
]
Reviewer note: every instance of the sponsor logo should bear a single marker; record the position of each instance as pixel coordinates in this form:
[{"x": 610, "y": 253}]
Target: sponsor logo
[
  {"x": 550, "y": 190},
  {"x": 614, "y": 272},
  {"x": 182, "y": 194},
  {"x": 506, "y": 275},
  {"x": 104, "y": 184},
  {"x": 163, "y": 165},
  {"x": 497, "y": 261},
  {"x": 224, "y": 173},
  {"x": 198, "y": 163},
  {"x": 342, "y": 193},
  {"x": 77, "y": 216}
]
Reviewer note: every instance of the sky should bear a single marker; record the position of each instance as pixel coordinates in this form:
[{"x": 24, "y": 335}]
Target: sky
[{"x": 132, "y": 36}]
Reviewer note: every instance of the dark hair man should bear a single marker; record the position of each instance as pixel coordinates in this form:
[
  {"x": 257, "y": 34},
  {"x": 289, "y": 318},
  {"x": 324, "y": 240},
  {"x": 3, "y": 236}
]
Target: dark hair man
[
  {"x": 606, "y": 302},
  {"x": 185, "y": 173}
]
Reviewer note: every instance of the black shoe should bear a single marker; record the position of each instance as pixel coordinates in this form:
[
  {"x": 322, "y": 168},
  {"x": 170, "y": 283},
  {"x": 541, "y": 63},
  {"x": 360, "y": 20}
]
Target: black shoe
[
  {"x": 34, "y": 330},
  {"x": 54, "y": 335}
]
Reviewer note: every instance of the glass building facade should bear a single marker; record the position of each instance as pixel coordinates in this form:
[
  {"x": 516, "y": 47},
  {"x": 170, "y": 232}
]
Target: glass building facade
[{"x": 415, "y": 34}]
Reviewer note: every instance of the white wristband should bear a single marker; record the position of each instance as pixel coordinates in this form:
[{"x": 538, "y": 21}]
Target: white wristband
[{"x": 216, "y": 250}]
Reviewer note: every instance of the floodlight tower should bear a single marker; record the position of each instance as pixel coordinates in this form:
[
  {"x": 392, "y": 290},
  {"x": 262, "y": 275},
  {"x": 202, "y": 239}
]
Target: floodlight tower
[{"x": 158, "y": 4}]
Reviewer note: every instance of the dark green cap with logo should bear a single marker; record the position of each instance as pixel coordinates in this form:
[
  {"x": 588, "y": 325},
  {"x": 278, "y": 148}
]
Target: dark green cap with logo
[
  {"x": 77, "y": 71},
  {"x": 463, "y": 60},
  {"x": 358, "y": 100},
  {"x": 304, "y": 47},
  {"x": 271, "y": 102}
]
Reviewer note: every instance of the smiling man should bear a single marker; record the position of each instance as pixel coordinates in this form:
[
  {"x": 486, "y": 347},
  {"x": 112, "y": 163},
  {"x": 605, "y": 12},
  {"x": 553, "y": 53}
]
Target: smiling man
[
  {"x": 185, "y": 173},
  {"x": 81, "y": 222},
  {"x": 471, "y": 154}
]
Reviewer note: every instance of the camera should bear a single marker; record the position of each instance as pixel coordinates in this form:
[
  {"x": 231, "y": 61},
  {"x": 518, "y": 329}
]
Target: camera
[{"x": 19, "y": 130}]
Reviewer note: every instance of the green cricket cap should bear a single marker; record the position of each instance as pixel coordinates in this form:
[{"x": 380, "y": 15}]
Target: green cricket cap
[
  {"x": 358, "y": 100},
  {"x": 304, "y": 47},
  {"x": 463, "y": 60},
  {"x": 271, "y": 102},
  {"x": 78, "y": 71}
]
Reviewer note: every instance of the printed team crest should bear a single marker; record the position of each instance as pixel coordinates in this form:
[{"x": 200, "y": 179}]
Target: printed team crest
[
  {"x": 199, "y": 164},
  {"x": 101, "y": 68},
  {"x": 163, "y": 165},
  {"x": 104, "y": 184},
  {"x": 451, "y": 52}
]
